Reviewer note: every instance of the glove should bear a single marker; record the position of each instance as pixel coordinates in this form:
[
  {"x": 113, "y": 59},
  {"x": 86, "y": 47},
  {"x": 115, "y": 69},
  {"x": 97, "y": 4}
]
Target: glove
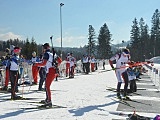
[
  {"x": 113, "y": 68},
  {"x": 148, "y": 62},
  {"x": 35, "y": 64}
]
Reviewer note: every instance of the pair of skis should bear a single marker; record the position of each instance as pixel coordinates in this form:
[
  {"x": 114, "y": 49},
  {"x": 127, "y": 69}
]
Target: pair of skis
[
  {"x": 123, "y": 100},
  {"x": 21, "y": 98},
  {"x": 39, "y": 105}
]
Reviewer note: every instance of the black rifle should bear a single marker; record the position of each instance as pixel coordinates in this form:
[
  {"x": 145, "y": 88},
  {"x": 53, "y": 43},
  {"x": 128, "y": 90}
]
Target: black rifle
[{"x": 53, "y": 52}]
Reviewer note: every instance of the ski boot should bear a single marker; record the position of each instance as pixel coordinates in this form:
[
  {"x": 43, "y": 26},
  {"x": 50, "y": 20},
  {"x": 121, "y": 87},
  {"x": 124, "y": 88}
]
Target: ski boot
[
  {"x": 126, "y": 98},
  {"x": 10, "y": 90},
  {"x": 16, "y": 97},
  {"x": 34, "y": 83},
  {"x": 47, "y": 104},
  {"x": 119, "y": 96},
  {"x": 5, "y": 88},
  {"x": 41, "y": 89},
  {"x": 43, "y": 101}
]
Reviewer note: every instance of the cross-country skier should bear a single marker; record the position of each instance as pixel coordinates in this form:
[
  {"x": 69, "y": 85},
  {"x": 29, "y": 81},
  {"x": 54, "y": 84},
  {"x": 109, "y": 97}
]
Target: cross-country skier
[
  {"x": 72, "y": 61},
  {"x": 49, "y": 60},
  {"x": 93, "y": 60},
  {"x": 42, "y": 74},
  {"x": 132, "y": 77},
  {"x": 35, "y": 69},
  {"x": 6, "y": 63},
  {"x": 121, "y": 60},
  {"x": 14, "y": 73},
  {"x": 67, "y": 64},
  {"x": 85, "y": 61}
]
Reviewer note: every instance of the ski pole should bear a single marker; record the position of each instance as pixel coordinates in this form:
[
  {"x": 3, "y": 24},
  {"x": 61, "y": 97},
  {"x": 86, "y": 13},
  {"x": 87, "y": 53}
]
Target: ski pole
[
  {"x": 22, "y": 77},
  {"x": 22, "y": 87},
  {"x": 113, "y": 69}
]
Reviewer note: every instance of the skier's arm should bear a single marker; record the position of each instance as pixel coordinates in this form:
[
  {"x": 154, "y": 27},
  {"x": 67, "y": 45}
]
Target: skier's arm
[
  {"x": 43, "y": 63},
  {"x": 111, "y": 63},
  {"x": 113, "y": 59},
  {"x": 59, "y": 60}
]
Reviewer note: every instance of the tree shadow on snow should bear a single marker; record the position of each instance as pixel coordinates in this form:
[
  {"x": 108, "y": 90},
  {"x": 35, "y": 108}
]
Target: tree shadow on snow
[{"x": 81, "y": 111}]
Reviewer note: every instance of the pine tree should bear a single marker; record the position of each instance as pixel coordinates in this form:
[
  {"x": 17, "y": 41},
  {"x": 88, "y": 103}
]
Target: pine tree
[
  {"x": 155, "y": 33},
  {"x": 33, "y": 46},
  {"x": 147, "y": 45},
  {"x": 4, "y": 45},
  {"x": 26, "y": 49},
  {"x": 91, "y": 47},
  {"x": 144, "y": 40},
  {"x": 104, "y": 41},
  {"x": 135, "y": 41}
]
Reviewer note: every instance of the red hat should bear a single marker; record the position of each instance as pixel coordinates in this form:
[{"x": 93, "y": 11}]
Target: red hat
[{"x": 17, "y": 50}]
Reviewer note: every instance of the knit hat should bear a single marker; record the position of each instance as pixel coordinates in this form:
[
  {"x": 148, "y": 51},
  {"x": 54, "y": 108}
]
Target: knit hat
[
  {"x": 46, "y": 45},
  {"x": 33, "y": 53},
  {"x": 17, "y": 50},
  {"x": 126, "y": 51}
]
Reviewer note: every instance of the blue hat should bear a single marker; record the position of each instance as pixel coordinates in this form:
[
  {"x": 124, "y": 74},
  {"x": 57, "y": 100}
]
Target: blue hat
[{"x": 126, "y": 51}]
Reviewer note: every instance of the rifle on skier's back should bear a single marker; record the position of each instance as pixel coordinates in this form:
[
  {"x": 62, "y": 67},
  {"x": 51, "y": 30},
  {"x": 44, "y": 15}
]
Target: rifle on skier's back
[{"x": 56, "y": 59}]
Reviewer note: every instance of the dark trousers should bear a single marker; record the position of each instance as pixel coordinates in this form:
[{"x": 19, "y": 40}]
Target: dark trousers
[
  {"x": 133, "y": 86},
  {"x": 42, "y": 75},
  {"x": 14, "y": 75},
  {"x": 84, "y": 67},
  {"x": 125, "y": 77},
  {"x": 71, "y": 73}
]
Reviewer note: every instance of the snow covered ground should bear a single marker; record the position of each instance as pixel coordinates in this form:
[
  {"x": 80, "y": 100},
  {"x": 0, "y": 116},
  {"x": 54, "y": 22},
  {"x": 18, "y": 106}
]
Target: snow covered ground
[{"x": 84, "y": 98}]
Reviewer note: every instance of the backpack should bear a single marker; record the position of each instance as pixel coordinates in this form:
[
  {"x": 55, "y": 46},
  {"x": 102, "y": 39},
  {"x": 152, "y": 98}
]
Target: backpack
[{"x": 114, "y": 61}]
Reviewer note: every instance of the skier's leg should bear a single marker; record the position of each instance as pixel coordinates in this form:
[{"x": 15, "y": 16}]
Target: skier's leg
[
  {"x": 14, "y": 83},
  {"x": 50, "y": 77},
  {"x": 6, "y": 79},
  {"x": 42, "y": 78},
  {"x": 118, "y": 88},
  {"x": 118, "y": 75},
  {"x": 135, "y": 86},
  {"x": 125, "y": 77},
  {"x": 34, "y": 74},
  {"x": 131, "y": 85},
  {"x": 83, "y": 67}
]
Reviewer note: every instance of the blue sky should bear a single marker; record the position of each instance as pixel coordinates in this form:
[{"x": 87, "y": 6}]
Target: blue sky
[{"x": 41, "y": 18}]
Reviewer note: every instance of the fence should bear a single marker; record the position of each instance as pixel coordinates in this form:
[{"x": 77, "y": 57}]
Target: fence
[
  {"x": 154, "y": 73},
  {"x": 79, "y": 67},
  {"x": 2, "y": 76},
  {"x": 26, "y": 72}
]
